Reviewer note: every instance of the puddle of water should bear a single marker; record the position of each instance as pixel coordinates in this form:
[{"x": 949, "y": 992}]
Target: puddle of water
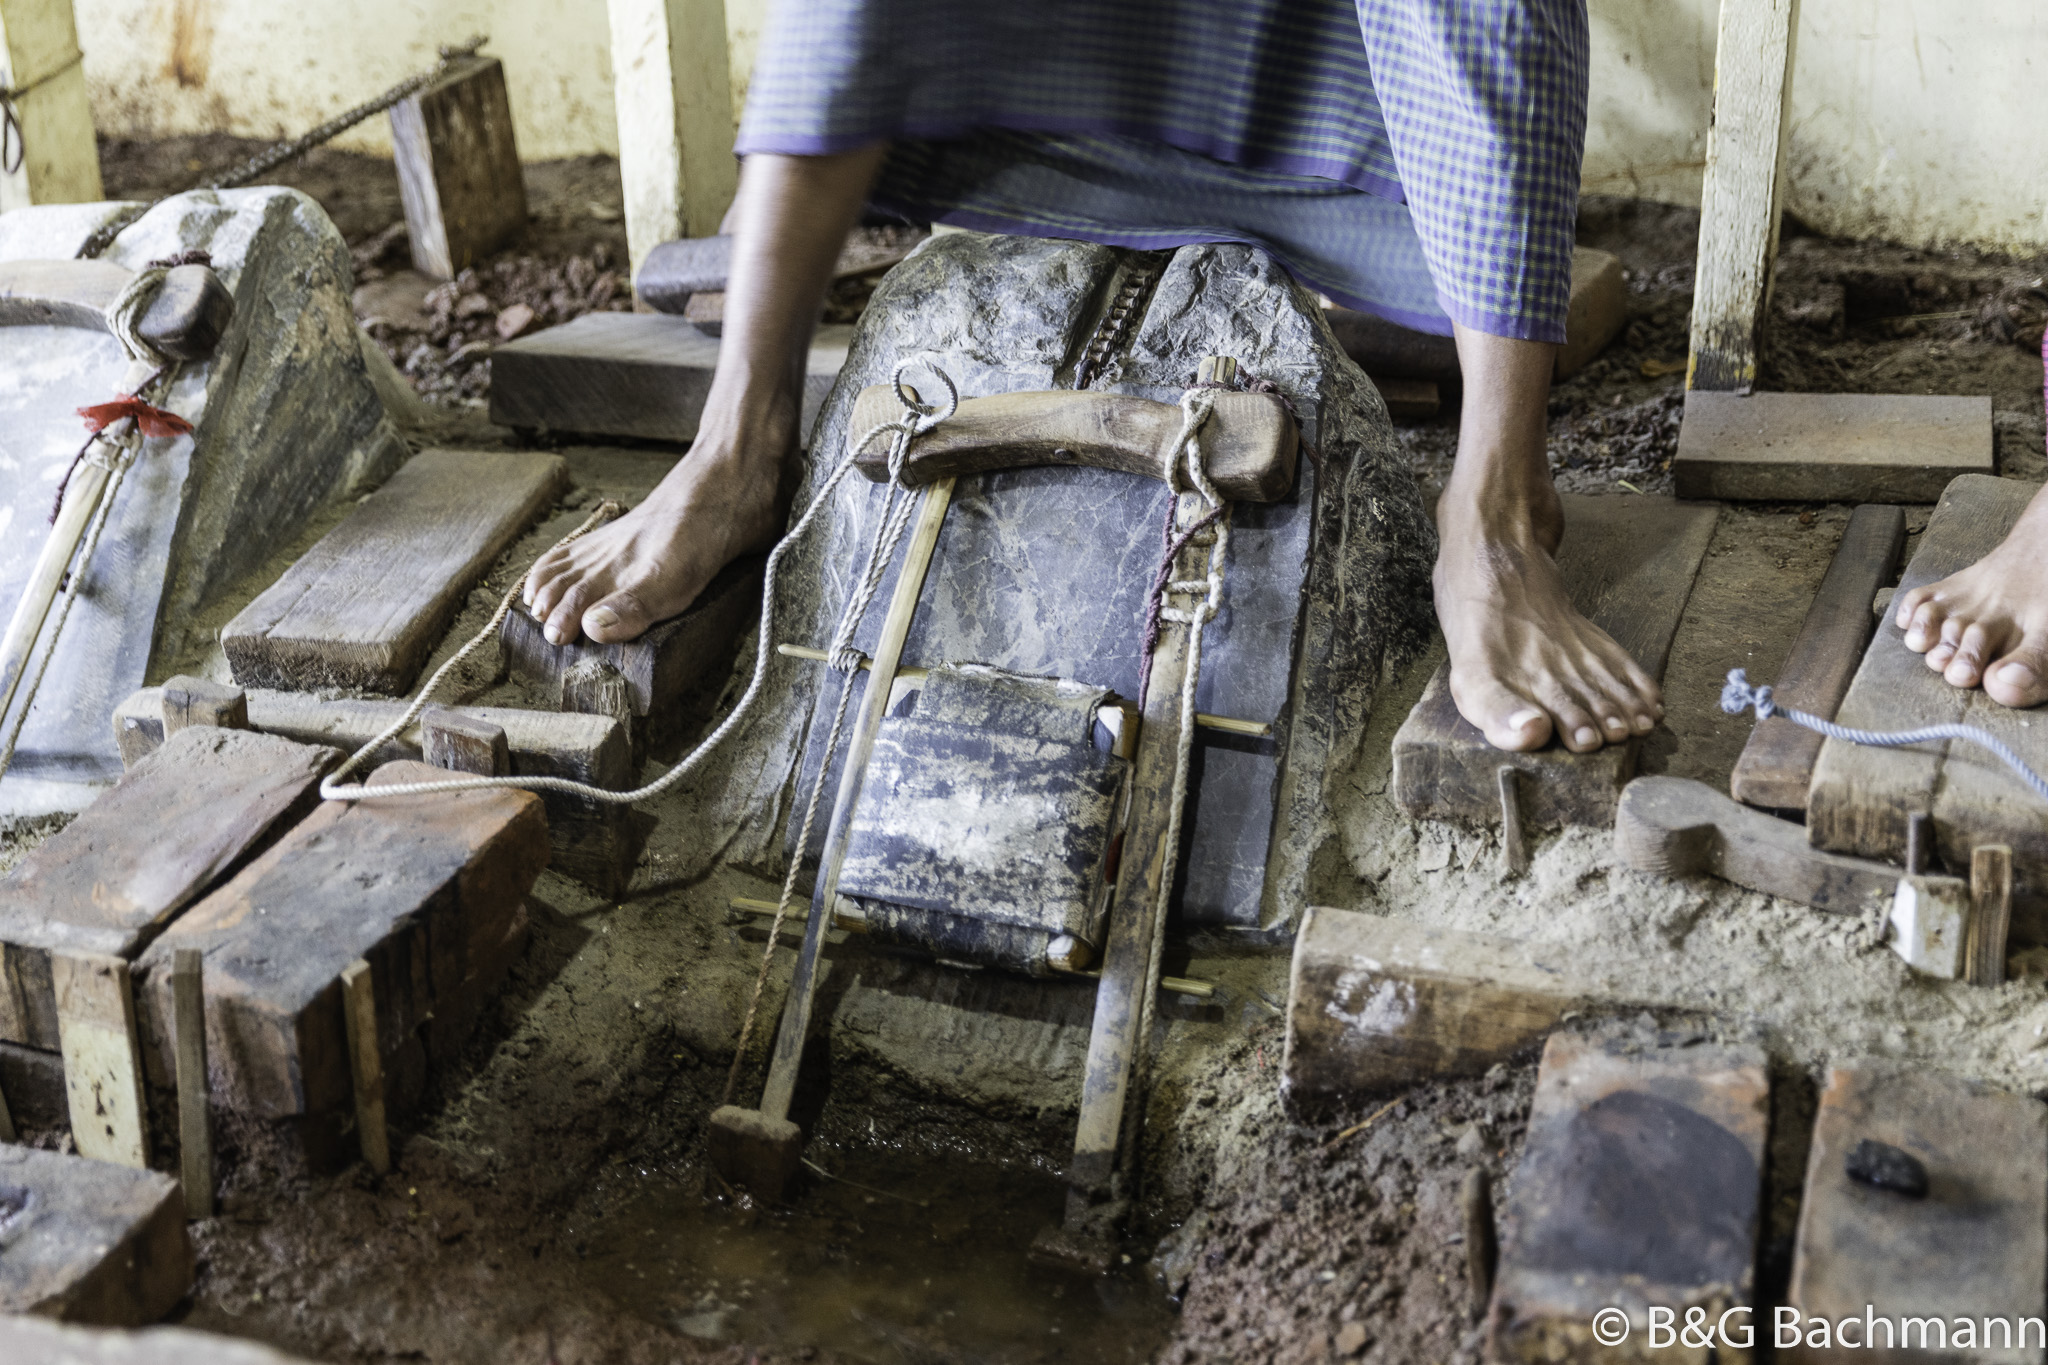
[{"x": 872, "y": 1277}]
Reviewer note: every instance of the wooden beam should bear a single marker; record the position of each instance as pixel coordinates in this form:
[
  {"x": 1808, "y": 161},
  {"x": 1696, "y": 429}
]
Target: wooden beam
[
  {"x": 458, "y": 168},
  {"x": 1990, "y": 914},
  {"x": 1739, "y": 200},
  {"x": 195, "y": 1131},
  {"x": 1830, "y": 447},
  {"x": 102, "y": 1059},
  {"x": 366, "y": 1063},
  {"x": 672, "y": 79},
  {"x": 39, "y": 56},
  {"x": 95, "y": 1244}
]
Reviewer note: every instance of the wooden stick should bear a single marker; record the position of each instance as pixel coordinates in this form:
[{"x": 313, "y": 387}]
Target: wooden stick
[
  {"x": 195, "y": 1134},
  {"x": 7, "y": 1133},
  {"x": 366, "y": 1063},
  {"x": 102, "y": 1058},
  {"x": 1919, "y": 843},
  {"x": 1990, "y": 914},
  {"x": 1514, "y": 841},
  {"x": 1481, "y": 1250}
]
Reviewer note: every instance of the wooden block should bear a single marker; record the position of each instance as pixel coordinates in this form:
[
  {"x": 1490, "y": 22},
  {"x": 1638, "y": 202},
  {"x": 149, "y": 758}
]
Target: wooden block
[
  {"x": 195, "y": 1130},
  {"x": 629, "y": 374},
  {"x": 1639, "y": 1186},
  {"x": 458, "y": 168},
  {"x": 1598, "y": 310},
  {"x": 175, "y": 824},
  {"x": 139, "y": 726},
  {"x": 102, "y": 1060},
  {"x": 1990, "y": 914},
  {"x": 1739, "y": 197},
  {"x": 1375, "y": 1004},
  {"x": 1680, "y": 828},
  {"x": 34, "y": 1082},
  {"x": 1409, "y": 400},
  {"x": 1974, "y": 1247},
  {"x": 661, "y": 667},
  {"x": 455, "y": 740},
  {"x": 366, "y": 1063},
  {"x": 198, "y": 701},
  {"x": 675, "y": 272},
  {"x": 1830, "y": 447},
  {"x": 88, "y": 1242},
  {"x": 1629, "y": 563},
  {"x": 59, "y": 156},
  {"x": 1861, "y": 799},
  {"x": 362, "y": 608},
  {"x": 706, "y": 312},
  {"x": 1777, "y": 763},
  {"x": 671, "y": 81},
  {"x": 50, "y": 1343},
  {"x": 420, "y": 887},
  {"x": 1386, "y": 348}
]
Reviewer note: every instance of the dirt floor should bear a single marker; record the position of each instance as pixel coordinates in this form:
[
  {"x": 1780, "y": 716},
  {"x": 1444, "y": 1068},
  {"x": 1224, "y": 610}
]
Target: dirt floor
[{"x": 550, "y": 1203}]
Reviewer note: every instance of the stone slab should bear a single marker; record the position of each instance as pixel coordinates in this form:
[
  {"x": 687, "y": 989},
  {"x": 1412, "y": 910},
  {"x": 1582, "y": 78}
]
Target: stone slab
[
  {"x": 49, "y": 1343},
  {"x": 89, "y": 1242},
  {"x": 1830, "y": 447}
]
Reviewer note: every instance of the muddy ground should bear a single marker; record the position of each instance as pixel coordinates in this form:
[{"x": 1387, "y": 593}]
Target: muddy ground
[{"x": 549, "y": 1204}]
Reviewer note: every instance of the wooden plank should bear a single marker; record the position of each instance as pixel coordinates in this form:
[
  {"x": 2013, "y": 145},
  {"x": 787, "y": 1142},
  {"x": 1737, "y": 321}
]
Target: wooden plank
[
  {"x": 99, "y": 1244},
  {"x": 1830, "y": 447},
  {"x": 1739, "y": 197},
  {"x": 1639, "y": 1185},
  {"x": 1629, "y": 563},
  {"x": 1776, "y": 765},
  {"x": 175, "y": 824},
  {"x": 673, "y": 83},
  {"x": 1990, "y": 914},
  {"x": 1377, "y": 1004},
  {"x": 366, "y": 1063},
  {"x": 426, "y": 889},
  {"x": 34, "y": 1081},
  {"x": 661, "y": 667},
  {"x": 102, "y": 1060},
  {"x": 362, "y": 608},
  {"x": 39, "y": 56},
  {"x": 693, "y": 271},
  {"x": 630, "y": 374},
  {"x": 1409, "y": 400},
  {"x": 1975, "y": 1246},
  {"x": 458, "y": 168},
  {"x": 1597, "y": 312},
  {"x": 451, "y": 739},
  {"x": 1861, "y": 799},
  {"x": 7, "y": 1130},
  {"x": 200, "y": 701},
  {"x": 1676, "y": 827},
  {"x": 195, "y": 1128}
]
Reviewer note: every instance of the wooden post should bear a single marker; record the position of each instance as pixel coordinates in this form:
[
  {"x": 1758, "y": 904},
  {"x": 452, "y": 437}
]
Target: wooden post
[
  {"x": 366, "y": 1064},
  {"x": 195, "y": 1135},
  {"x": 673, "y": 83},
  {"x": 39, "y": 57},
  {"x": 1990, "y": 914},
  {"x": 1739, "y": 200},
  {"x": 458, "y": 168},
  {"x": 102, "y": 1061}
]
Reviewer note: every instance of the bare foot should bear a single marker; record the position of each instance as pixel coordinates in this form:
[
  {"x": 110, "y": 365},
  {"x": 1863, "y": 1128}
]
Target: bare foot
[
  {"x": 714, "y": 506},
  {"x": 1524, "y": 663},
  {"x": 1988, "y": 625}
]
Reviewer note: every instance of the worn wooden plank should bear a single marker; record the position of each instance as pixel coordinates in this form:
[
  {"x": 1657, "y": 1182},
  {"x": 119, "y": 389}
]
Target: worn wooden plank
[
  {"x": 1629, "y": 563},
  {"x": 362, "y": 608},
  {"x": 89, "y": 1242},
  {"x": 96, "y": 1032},
  {"x": 174, "y": 825},
  {"x": 1639, "y": 1185},
  {"x": 426, "y": 889},
  {"x": 1376, "y": 1004},
  {"x": 458, "y": 168},
  {"x": 630, "y": 374},
  {"x": 1990, "y": 914},
  {"x": 366, "y": 1063},
  {"x": 1975, "y": 1246},
  {"x": 1739, "y": 198},
  {"x": 1409, "y": 400},
  {"x": 39, "y": 56},
  {"x": 195, "y": 1126},
  {"x": 1830, "y": 447},
  {"x": 1776, "y": 765},
  {"x": 34, "y": 1081},
  {"x": 1861, "y": 799},
  {"x": 673, "y": 83}
]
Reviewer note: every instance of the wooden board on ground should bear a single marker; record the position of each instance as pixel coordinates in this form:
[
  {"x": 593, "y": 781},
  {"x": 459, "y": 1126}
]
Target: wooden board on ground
[
  {"x": 1776, "y": 765},
  {"x": 174, "y": 825},
  {"x": 362, "y": 608},
  {"x": 1629, "y": 563},
  {"x": 1861, "y": 798},
  {"x": 1639, "y": 1185},
  {"x": 430, "y": 890},
  {"x": 88, "y": 1242},
  {"x": 458, "y": 168},
  {"x": 1378, "y": 1004},
  {"x": 661, "y": 666},
  {"x": 1830, "y": 447},
  {"x": 630, "y": 374},
  {"x": 1973, "y": 1247}
]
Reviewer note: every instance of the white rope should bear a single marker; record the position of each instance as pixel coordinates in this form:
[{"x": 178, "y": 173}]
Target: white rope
[
  {"x": 124, "y": 314},
  {"x": 918, "y": 418}
]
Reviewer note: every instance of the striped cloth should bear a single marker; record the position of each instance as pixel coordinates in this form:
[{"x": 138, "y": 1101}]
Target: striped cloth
[{"x": 1416, "y": 158}]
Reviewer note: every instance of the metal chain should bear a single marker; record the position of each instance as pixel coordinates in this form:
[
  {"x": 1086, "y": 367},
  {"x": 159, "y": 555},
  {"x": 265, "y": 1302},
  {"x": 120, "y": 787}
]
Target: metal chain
[{"x": 1115, "y": 326}]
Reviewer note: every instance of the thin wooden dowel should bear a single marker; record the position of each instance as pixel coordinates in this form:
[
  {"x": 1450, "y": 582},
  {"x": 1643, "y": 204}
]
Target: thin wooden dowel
[
  {"x": 366, "y": 1063},
  {"x": 195, "y": 1132}
]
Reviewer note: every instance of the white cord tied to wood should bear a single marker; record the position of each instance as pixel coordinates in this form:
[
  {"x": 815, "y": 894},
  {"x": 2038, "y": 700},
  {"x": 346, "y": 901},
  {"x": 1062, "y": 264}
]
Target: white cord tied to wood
[
  {"x": 124, "y": 314},
  {"x": 1738, "y": 696}
]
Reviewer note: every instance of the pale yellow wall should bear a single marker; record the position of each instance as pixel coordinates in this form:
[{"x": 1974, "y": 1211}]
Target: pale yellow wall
[{"x": 1921, "y": 120}]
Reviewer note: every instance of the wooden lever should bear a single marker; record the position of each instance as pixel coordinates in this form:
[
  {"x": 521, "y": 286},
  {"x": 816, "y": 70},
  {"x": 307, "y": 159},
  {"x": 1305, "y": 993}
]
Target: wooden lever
[
  {"x": 185, "y": 320},
  {"x": 1248, "y": 444}
]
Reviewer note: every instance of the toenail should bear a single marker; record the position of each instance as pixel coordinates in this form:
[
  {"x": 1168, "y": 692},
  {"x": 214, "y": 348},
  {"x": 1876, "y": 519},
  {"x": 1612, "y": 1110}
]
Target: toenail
[
  {"x": 2017, "y": 673},
  {"x": 554, "y": 637},
  {"x": 1645, "y": 724},
  {"x": 1522, "y": 719},
  {"x": 604, "y": 618},
  {"x": 1615, "y": 723},
  {"x": 1586, "y": 734}
]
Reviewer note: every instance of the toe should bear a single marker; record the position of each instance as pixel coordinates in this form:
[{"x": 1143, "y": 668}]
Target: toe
[
  {"x": 540, "y": 577},
  {"x": 2021, "y": 677},
  {"x": 563, "y": 621},
  {"x": 1923, "y": 627},
  {"x": 1507, "y": 719},
  {"x": 617, "y": 618},
  {"x": 1908, "y": 605},
  {"x": 1576, "y": 728},
  {"x": 1965, "y": 667}
]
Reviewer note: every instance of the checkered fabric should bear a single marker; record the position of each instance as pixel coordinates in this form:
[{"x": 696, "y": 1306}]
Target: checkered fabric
[{"x": 1417, "y": 158}]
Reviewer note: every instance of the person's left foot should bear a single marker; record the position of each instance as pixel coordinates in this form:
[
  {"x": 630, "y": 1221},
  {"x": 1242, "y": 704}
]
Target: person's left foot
[{"x": 1987, "y": 625}]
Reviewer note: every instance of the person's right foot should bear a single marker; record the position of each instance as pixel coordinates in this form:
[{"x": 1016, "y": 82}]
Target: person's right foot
[{"x": 1987, "y": 625}]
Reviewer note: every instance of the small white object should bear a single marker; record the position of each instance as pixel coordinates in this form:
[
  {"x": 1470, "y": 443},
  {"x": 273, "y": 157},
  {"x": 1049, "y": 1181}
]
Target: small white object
[{"x": 1927, "y": 921}]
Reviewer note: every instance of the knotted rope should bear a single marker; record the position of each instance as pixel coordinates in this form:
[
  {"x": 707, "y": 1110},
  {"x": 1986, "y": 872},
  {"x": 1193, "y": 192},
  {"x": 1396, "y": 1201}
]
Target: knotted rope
[{"x": 1738, "y": 696}]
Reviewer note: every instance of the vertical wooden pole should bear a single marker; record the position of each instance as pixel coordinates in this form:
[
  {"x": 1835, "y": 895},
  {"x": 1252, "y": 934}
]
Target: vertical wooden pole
[
  {"x": 102, "y": 1060},
  {"x": 366, "y": 1063},
  {"x": 1739, "y": 199},
  {"x": 59, "y": 160},
  {"x": 1990, "y": 914},
  {"x": 672, "y": 80},
  {"x": 195, "y": 1134}
]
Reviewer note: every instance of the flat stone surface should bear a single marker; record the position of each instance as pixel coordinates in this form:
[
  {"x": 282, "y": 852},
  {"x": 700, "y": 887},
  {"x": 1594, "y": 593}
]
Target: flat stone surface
[{"x": 88, "y": 1242}]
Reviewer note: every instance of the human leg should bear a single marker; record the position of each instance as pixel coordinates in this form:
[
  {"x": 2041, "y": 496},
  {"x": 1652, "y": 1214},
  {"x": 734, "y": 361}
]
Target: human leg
[{"x": 725, "y": 497}]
